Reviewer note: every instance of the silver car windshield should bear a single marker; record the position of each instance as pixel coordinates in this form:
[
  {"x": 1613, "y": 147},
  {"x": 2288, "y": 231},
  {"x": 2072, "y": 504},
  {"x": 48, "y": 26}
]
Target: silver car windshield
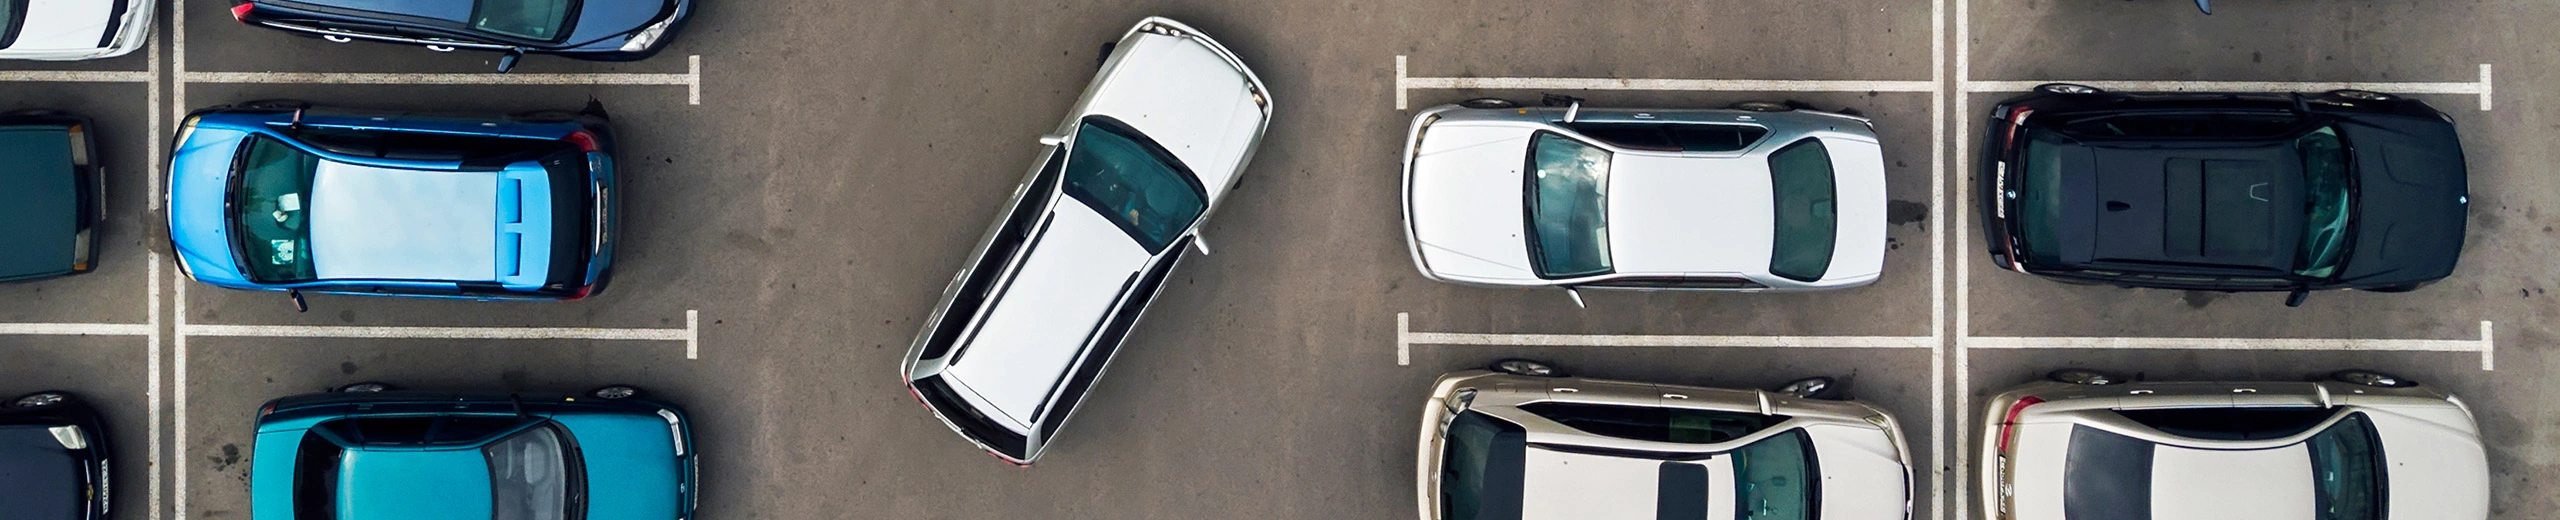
[
  {"x": 1126, "y": 177},
  {"x": 1808, "y": 213},
  {"x": 1568, "y": 207},
  {"x": 1773, "y": 478},
  {"x": 528, "y": 476}
]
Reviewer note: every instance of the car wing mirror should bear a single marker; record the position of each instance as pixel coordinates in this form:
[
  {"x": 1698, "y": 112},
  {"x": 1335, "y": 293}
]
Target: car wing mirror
[
  {"x": 1053, "y": 140},
  {"x": 2205, "y": 5},
  {"x": 1576, "y": 295},
  {"x": 2295, "y": 299},
  {"x": 1201, "y": 244},
  {"x": 508, "y": 61},
  {"x": 298, "y": 304}
]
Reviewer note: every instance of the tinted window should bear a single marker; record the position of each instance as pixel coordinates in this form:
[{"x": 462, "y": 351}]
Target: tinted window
[
  {"x": 2203, "y": 125},
  {"x": 2230, "y": 423},
  {"x": 528, "y": 19},
  {"x": 419, "y": 430},
  {"x": 1638, "y": 136},
  {"x": 270, "y": 203},
  {"x": 1774, "y": 478},
  {"x": 2106, "y": 476},
  {"x": 2347, "y": 471},
  {"x": 1124, "y": 176},
  {"x": 1717, "y": 282},
  {"x": 1480, "y": 468},
  {"x": 315, "y": 477},
  {"x": 1648, "y": 423},
  {"x": 2327, "y": 190},
  {"x": 1807, "y": 211},
  {"x": 1672, "y": 137},
  {"x": 1568, "y": 207},
  {"x": 529, "y": 476},
  {"x": 9, "y": 23},
  {"x": 2040, "y": 195}
]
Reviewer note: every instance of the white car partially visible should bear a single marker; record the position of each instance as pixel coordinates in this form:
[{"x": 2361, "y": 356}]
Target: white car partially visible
[{"x": 72, "y": 30}]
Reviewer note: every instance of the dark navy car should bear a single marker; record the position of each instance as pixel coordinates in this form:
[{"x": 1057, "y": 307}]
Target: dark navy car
[
  {"x": 273, "y": 196},
  {"x": 50, "y": 196},
  {"x": 53, "y": 459},
  {"x": 2224, "y": 192},
  {"x": 609, "y": 30}
]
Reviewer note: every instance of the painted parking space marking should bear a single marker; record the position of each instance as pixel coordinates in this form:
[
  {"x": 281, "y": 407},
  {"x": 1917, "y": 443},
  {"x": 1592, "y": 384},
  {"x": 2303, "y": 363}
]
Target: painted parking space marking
[
  {"x": 691, "y": 79},
  {"x": 1406, "y": 83},
  {"x": 2479, "y": 88},
  {"x": 77, "y": 329},
  {"x": 2486, "y": 345},
  {"x": 78, "y": 76},
  {"x": 691, "y": 334},
  {"x": 1406, "y": 338}
]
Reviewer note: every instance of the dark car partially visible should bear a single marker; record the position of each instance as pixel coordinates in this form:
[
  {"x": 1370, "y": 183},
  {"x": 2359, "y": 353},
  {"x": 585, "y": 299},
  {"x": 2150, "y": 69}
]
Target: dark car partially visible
[
  {"x": 2224, "y": 192},
  {"x": 49, "y": 196},
  {"x": 53, "y": 459},
  {"x": 604, "y": 30}
]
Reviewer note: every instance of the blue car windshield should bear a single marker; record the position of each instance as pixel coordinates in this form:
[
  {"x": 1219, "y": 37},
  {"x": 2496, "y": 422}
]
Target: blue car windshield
[
  {"x": 529, "y": 476},
  {"x": 270, "y": 211},
  {"x": 1128, "y": 179}
]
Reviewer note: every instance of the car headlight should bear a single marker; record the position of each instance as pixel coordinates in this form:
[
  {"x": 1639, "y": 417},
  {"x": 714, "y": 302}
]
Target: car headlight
[
  {"x": 675, "y": 428},
  {"x": 648, "y": 36},
  {"x": 70, "y": 437}
]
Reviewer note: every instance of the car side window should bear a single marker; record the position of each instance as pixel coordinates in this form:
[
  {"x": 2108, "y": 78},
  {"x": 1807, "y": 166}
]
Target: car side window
[
  {"x": 315, "y": 477},
  {"x": 341, "y": 141},
  {"x": 1709, "y": 282},
  {"x": 1673, "y": 137},
  {"x": 2231, "y": 424},
  {"x": 1653, "y": 423},
  {"x": 1715, "y": 138},
  {"x": 1632, "y": 136},
  {"x": 418, "y": 430},
  {"x": 2185, "y": 125}
]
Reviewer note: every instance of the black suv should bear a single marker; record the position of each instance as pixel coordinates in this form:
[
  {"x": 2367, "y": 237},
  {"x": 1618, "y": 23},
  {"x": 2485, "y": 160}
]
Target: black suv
[
  {"x": 2346, "y": 189},
  {"x": 606, "y": 30},
  {"x": 53, "y": 459}
]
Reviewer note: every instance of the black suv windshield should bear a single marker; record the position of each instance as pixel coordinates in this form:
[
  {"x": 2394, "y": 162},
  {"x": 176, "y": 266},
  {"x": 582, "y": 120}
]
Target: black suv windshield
[
  {"x": 2038, "y": 184},
  {"x": 1126, "y": 177},
  {"x": 270, "y": 217},
  {"x": 529, "y": 19},
  {"x": 2329, "y": 192},
  {"x": 1481, "y": 461}
]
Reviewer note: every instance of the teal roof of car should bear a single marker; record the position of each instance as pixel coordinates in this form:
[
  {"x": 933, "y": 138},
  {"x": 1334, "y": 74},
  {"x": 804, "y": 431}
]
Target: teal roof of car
[
  {"x": 631, "y": 464},
  {"x": 38, "y": 203},
  {"x": 414, "y": 485}
]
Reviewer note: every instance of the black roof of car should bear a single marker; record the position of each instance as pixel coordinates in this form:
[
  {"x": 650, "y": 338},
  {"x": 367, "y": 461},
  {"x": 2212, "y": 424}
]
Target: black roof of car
[{"x": 2199, "y": 203}]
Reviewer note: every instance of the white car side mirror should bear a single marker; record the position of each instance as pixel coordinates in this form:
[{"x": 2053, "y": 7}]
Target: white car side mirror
[
  {"x": 1053, "y": 140},
  {"x": 1200, "y": 244},
  {"x": 1576, "y": 294}
]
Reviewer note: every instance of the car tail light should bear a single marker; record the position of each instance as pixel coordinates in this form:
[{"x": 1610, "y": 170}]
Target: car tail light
[
  {"x": 582, "y": 292},
  {"x": 268, "y": 409},
  {"x": 919, "y": 395},
  {"x": 241, "y": 12},
  {"x": 1000, "y": 456},
  {"x": 2017, "y": 117},
  {"x": 2009, "y": 423},
  {"x": 586, "y": 141}
]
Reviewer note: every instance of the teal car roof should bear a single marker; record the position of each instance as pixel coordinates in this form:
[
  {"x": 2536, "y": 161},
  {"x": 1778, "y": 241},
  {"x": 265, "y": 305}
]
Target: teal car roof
[
  {"x": 413, "y": 485},
  {"x": 39, "y": 207}
]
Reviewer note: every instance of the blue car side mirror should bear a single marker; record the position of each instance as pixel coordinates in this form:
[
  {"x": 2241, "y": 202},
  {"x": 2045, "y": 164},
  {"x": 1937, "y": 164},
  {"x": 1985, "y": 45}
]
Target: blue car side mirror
[{"x": 2206, "y": 5}]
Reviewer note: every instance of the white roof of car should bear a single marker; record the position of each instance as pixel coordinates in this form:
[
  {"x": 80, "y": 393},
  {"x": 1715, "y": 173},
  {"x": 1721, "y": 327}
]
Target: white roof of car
[
  {"x": 1041, "y": 320},
  {"x": 372, "y": 223},
  {"x": 56, "y": 27},
  {"x": 2435, "y": 470},
  {"x": 1670, "y": 214},
  {"x": 1862, "y": 479},
  {"x": 2269, "y": 484}
]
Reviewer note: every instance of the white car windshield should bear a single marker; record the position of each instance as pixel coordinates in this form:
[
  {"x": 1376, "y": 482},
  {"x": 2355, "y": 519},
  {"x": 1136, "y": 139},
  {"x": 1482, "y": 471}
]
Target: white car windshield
[
  {"x": 1568, "y": 207},
  {"x": 1126, "y": 177}
]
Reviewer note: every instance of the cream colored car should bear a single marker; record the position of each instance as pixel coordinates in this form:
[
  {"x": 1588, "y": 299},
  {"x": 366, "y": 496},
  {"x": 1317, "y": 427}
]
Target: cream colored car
[{"x": 1522, "y": 441}]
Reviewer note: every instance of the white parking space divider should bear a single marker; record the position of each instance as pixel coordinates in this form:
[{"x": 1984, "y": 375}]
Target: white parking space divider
[
  {"x": 691, "y": 334},
  {"x": 2475, "y": 88},
  {"x": 1405, "y": 83},
  {"x": 1406, "y": 338},
  {"x": 2487, "y": 345},
  {"x": 691, "y": 79}
]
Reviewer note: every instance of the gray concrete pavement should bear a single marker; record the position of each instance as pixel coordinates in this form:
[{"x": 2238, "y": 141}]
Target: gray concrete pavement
[{"x": 844, "y": 158}]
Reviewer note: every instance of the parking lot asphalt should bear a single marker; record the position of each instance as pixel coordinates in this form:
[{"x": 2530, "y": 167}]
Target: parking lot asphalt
[{"x": 785, "y": 235}]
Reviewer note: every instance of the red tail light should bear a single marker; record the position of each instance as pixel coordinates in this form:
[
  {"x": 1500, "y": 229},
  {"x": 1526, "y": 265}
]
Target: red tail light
[
  {"x": 919, "y": 395},
  {"x": 264, "y": 410},
  {"x": 583, "y": 292},
  {"x": 2010, "y": 421},
  {"x": 2017, "y": 117},
  {"x": 241, "y": 12},
  {"x": 586, "y": 141}
]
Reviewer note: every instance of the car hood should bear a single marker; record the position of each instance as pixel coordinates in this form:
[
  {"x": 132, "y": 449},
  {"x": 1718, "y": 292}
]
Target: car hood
[
  {"x": 2438, "y": 468},
  {"x": 1185, "y": 94},
  {"x": 1463, "y": 202},
  {"x": 1863, "y": 474},
  {"x": 39, "y": 206},
  {"x": 450, "y": 484},
  {"x": 632, "y": 468},
  {"x": 43, "y": 480},
  {"x": 1042, "y": 318},
  {"x": 199, "y": 172},
  {"x": 2237, "y": 205},
  {"x": 376, "y": 223},
  {"x": 61, "y": 25},
  {"x": 2413, "y": 197}
]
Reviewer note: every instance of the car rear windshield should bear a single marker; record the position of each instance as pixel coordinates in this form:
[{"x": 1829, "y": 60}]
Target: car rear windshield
[
  {"x": 1138, "y": 185},
  {"x": 2329, "y": 189},
  {"x": 2106, "y": 476},
  {"x": 529, "y": 19},
  {"x": 1653, "y": 423},
  {"x": 1808, "y": 215},
  {"x": 1481, "y": 463},
  {"x": 270, "y": 203},
  {"x": 2347, "y": 471},
  {"x": 1568, "y": 207},
  {"x": 530, "y": 476},
  {"x": 2038, "y": 181},
  {"x": 1774, "y": 478}
]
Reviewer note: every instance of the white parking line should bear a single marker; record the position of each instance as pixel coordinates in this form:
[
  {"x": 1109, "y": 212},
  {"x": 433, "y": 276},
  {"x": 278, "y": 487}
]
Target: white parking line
[
  {"x": 2479, "y": 88},
  {"x": 691, "y": 79},
  {"x": 1406, "y": 338},
  {"x": 78, "y": 76},
  {"x": 75, "y": 329},
  {"x": 1406, "y": 83},
  {"x": 2487, "y": 345},
  {"x": 691, "y": 334}
]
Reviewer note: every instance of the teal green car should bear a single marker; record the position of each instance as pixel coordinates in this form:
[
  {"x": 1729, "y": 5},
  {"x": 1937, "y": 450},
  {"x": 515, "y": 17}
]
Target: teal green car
[{"x": 367, "y": 452}]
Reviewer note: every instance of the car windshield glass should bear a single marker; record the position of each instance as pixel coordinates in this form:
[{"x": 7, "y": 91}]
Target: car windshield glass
[
  {"x": 1568, "y": 207},
  {"x": 1480, "y": 468},
  {"x": 269, "y": 211},
  {"x": 2328, "y": 192},
  {"x": 8, "y": 23},
  {"x": 1131, "y": 181},
  {"x": 2346, "y": 471},
  {"x": 1807, "y": 213},
  {"x": 529, "y": 19},
  {"x": 2039, "y": 187},
  {"x": 529, "y": 476},
  {"x": 1774, "y": 478}
]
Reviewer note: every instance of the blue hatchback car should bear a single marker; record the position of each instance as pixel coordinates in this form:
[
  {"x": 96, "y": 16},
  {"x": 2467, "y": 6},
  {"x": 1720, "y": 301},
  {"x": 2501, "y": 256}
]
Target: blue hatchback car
[
  {"x": 282, "y": 197},
  {"x": 368, "y": 452}
]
